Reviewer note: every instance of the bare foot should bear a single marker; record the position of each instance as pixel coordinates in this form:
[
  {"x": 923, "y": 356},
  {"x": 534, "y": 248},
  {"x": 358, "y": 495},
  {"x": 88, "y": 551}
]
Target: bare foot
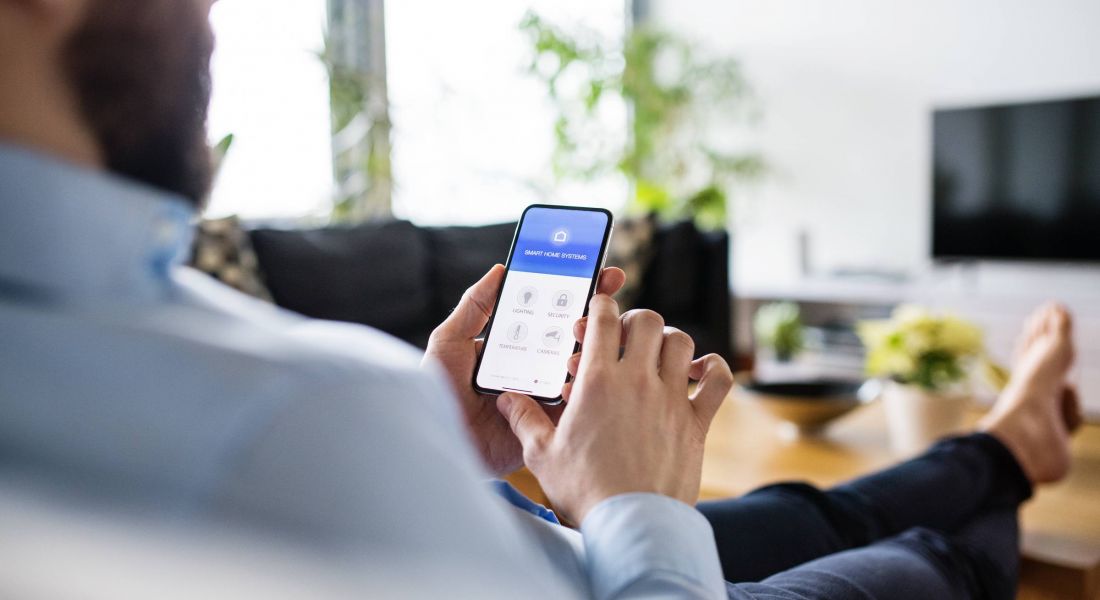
[{"x": 1037, "y": 411}]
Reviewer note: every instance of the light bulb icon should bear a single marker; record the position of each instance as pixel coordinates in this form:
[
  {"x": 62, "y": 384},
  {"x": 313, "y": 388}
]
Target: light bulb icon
[{"x": 527, "y": 297}]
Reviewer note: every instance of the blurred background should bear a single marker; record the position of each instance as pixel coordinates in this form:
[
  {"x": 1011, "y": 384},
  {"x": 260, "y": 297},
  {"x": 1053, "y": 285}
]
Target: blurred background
[{"x": 804, "y": 135}]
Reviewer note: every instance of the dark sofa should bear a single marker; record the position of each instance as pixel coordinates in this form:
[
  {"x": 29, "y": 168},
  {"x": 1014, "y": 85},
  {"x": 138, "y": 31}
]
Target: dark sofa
[{"x": 404, "y": 279}]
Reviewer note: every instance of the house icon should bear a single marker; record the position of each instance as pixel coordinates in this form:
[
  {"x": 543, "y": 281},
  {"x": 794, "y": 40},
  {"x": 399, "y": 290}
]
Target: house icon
[{"x": 560, "y": 236}]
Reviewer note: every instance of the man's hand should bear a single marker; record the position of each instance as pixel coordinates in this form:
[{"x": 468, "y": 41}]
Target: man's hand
[
  {"x": 454, "y": 344},
  {"x": 630, "y": 425}
]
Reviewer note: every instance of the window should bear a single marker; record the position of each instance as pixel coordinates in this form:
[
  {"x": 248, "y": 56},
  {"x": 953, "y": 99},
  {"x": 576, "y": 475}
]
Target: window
[
  {"x": 472, "y": 133},
  {"x": 271, "y": 93}
]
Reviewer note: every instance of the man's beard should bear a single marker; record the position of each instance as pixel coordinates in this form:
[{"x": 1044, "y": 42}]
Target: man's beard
[{"x": 141, "y": 72}]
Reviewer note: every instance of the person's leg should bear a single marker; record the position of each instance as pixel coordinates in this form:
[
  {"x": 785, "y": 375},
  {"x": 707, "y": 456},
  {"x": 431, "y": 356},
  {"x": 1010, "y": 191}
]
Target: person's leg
[
  {"x": 780, "y": 526},
  {"x": 1025, "y": 440},
  {"x": 979, "y": 562}
]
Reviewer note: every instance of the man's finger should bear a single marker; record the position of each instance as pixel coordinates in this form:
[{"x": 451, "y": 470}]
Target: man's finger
[
  {"x": 527, "y": 420},
  {"x": 603, "y": 331},
  {"x": 474, "y": 309},
  {"x": 644, "y": 332},
  {"x": 676, "y": 353},
  {"x": 579, "y": 328},
  {"x": 715, "y": 380},
  {"x": 573, "y": 364},
  {"x": 612, "y": 279},
  {"x": 566, "y": 391}
]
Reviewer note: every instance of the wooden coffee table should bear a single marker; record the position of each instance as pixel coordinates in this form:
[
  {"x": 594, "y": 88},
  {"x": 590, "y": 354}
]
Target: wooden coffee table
[{"x": 1061, "y": 525}]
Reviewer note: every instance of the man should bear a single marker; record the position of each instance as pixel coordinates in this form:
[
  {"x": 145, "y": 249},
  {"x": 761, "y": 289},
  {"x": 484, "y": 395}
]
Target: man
[{"x": 130, "y": 381}]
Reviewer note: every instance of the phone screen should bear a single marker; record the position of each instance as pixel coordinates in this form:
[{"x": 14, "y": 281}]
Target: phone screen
[{"x": 556, "y": 255}]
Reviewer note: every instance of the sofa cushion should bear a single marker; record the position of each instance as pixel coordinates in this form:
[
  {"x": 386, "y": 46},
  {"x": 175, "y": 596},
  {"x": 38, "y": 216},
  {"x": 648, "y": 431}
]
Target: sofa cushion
[
  {"x": 673, "y": 281},
  {"x": 376, "y": 274},
  {"x": 461, "y": 255}
]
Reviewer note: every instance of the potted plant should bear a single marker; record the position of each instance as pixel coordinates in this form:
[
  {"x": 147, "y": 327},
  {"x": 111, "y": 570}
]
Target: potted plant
[
  {"x": 928, "y": 362},
  {"x": 778, "y": 328},
  {"x": 677, "y": 96}
]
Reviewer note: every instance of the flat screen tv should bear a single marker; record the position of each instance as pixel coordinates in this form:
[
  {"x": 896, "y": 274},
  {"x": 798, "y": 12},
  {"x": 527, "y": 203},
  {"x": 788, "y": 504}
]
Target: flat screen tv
[{"x": 1017, "y": 181}]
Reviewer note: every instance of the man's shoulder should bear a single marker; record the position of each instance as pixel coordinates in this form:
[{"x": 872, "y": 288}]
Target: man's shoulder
[
  {"x": 333, "y": 352},
  {"x": 314, "y": 360},
  {"x": 223, "y": 367}
]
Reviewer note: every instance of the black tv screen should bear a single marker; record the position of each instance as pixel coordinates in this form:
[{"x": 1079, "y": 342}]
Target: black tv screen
[{"x": 1017, "y": 181}]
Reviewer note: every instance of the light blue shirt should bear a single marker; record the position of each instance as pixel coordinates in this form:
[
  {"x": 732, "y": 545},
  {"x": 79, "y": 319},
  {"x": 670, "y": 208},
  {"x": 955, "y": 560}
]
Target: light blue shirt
[{"x": 130, "y": 379}]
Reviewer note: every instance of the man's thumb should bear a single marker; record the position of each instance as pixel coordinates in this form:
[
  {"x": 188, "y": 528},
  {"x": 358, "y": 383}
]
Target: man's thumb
[
  {"x": 473, "y": 310},
  {"x": 527, "y": 419}
]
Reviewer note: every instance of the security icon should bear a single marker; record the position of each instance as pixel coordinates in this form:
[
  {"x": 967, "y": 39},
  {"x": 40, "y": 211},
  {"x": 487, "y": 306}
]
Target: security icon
[{"x": 563, "y": 299}]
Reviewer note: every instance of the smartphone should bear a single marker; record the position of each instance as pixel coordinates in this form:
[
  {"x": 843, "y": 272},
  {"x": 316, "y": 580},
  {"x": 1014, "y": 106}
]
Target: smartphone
[{"x": 556, "y": 257}]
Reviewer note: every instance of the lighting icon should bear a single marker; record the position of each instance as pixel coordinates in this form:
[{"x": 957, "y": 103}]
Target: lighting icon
[{"x": 527, "y": 296}]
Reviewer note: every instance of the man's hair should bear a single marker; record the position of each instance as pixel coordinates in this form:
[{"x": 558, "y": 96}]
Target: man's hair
[{"x": 141, "y": 73}]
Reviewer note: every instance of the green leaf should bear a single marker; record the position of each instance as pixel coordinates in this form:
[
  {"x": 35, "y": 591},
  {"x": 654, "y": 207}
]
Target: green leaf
[{"x": 674, "y": 89}]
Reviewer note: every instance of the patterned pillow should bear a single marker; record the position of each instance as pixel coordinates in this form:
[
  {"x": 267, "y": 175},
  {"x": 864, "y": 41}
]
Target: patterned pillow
[
  {"x": 631, "y": 250},
  {"x": 223, "y": 250}
]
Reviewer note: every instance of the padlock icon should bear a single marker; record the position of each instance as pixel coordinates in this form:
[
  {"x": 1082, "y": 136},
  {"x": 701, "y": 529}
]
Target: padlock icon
[{"x": 563, "y": 300}]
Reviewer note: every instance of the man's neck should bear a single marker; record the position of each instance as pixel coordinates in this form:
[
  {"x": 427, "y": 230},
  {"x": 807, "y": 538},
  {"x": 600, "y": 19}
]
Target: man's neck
[{"x": 39, "y": 112}]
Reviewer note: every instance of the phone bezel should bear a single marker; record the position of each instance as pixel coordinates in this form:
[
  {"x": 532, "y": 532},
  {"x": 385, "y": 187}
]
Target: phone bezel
[{"x": 594, "y": 280}]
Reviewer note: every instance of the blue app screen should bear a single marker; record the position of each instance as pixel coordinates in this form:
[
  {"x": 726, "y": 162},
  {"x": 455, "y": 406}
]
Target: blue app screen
[{"x": 556, "y": 254}]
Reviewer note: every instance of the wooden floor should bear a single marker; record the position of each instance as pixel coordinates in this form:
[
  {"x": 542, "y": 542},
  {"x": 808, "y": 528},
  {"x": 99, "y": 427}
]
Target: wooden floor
[{"x": 1061, "y": 525}]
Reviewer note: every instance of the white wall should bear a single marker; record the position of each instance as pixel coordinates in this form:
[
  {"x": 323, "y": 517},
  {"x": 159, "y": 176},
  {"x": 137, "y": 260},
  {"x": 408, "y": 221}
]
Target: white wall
[{"x": 846, "y": 87}]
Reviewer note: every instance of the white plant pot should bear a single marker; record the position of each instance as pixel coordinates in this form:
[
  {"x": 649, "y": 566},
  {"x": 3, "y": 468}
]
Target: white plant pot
[{"x": 917, "y": 418}]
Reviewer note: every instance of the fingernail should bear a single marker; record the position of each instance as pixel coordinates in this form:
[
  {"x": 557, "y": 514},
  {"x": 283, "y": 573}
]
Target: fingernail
[{"x": 505, "y": 401}]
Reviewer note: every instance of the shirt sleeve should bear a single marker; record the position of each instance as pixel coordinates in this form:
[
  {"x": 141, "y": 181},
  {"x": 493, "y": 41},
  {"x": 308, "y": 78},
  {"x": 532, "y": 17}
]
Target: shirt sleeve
[{"x": 650, "y": 546}]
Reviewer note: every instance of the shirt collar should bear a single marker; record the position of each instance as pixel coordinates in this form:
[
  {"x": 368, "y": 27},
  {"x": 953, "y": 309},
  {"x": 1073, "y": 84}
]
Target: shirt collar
[{"x": 72, "y": 230}]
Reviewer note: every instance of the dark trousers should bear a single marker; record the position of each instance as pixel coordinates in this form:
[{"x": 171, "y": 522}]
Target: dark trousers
[{"x": 940, "y": 526}]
